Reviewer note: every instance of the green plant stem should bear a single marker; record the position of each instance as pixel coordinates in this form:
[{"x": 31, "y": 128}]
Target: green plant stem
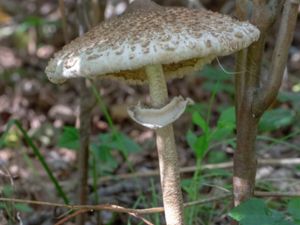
[
  {"x": 40, "y": 157},
  {"x": 103, "y": 108},
  {"x": 194, "y": 191},
  {"x": 95, "y": 176}
]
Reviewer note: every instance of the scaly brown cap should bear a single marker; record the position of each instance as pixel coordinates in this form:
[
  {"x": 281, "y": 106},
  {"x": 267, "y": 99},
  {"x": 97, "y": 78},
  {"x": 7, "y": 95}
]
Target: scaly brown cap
[{"x": 180, "y": 39}]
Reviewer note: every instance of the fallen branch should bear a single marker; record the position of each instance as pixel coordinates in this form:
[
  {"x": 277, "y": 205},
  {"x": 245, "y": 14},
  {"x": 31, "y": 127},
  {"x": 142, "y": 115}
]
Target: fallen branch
[
  {"x": 121, "y": 209},
  {"x": 226, "y": 165},
  {"x": 82, "y": 211}
]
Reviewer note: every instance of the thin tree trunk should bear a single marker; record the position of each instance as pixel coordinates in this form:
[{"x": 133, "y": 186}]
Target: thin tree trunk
[{"x": 254, "y": 96}]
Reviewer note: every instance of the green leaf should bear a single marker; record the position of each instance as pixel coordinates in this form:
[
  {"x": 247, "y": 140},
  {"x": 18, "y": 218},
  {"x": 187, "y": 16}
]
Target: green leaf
[
  {"x": 222, "y": 87},
  {"x": 294, "y": 209},
  {"x": 201, "y": 146},
  {"x": 198, "y": 120},
  {"x": 7, "y": 190},
  {"x": 221, "y": 133},
  {"x": 118, "y": 141},
  {"x": 198, "y": 107},
  {"x": 104, "y": 154},
  {"x": 35, "y": 21},
  {"x": 255, "y": 211},
  {"x": 285, "y": 96},
  {"x": 254, "y": 207},
  {"x": 198, "y": 144},
  {"x": 275, "y": 119},
  {"x": 101, "y": 151},
  {"x": 126, "y": 144},
  {"x": 278, "y": 218},
  {"x": 217, "y": 157},
  {"x": 69, "y": 138},
  {"x": 225, "y": 125},
  {"x": 212, "y": 73},
  {"x": 191, "y": 138},
  {"x": 227, "y": 118},
  {"x": 22, "y": 207},
  {"x": 2, "y": 205}
]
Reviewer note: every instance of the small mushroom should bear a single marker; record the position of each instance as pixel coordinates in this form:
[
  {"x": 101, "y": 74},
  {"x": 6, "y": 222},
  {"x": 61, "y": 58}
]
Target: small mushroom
[{"x": 150, "y": 44}]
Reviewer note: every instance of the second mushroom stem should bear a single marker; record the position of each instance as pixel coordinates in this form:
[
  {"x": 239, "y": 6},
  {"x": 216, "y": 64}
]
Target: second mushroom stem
[{"x": 167, "y": 153}]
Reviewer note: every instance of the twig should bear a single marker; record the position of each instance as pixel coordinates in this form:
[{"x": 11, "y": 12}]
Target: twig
[
  {"x": 87, "y": 102},
  {"x": 120, "y": 209},
  {"x": 112, "y": 207},
  {"x": 276, "y": 194},
  {"x": 83, "y": 211},
  {"x": 64, "y": 20},
  {"x": 101, "y": 207},
  {"x": 226, "y": 165},
  {"x": 72, "y": 215},
  {"x": 207, "y": 200}
]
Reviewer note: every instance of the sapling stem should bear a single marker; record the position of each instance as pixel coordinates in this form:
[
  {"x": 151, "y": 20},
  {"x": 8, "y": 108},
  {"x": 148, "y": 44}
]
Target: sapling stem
[
  {"x": 253, "y": 95},
  {"x": 167, "y": 153},
  {"x": 285, "y": 35}
]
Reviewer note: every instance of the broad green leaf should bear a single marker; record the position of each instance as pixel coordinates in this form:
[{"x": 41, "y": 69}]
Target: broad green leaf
[
  {"x": 217, "y": 157},
  {"x": 198, "y": 107},
  {"x": 294, "y": 209},
  {"x": 118, "y": 141},
  {"x": 126, "y": 144},
  {"x": 227, "y": 118},
  {"x": 212, "y": 73},
  {"x": 69, "y": 138},
  {"x": 101, "y": 151},
  {"x": 254, "y": 207},
  {"x": 7, "y": 190},
  {"x": 35, "y": 21},
  {"x": 285, "y": 96},
  {"x": 225, "y": 125},
  {"x": 2, "y": 205},
  {"x": 222, "y": 87},
  {"x": 198, "y": 120},
  {"x": 22, "y": 207},
  {"x": 278, "y": 218},
  {"x": 104, "y": 154},
  {"x": 201, "y": 146},
  {"x": 198, "y": 144},
  {"x": 255, "y": 211},
  {"x": 275, "y": 119},
  {"x": 220, "y": 134},
  {"x": 191, "y": 139}
]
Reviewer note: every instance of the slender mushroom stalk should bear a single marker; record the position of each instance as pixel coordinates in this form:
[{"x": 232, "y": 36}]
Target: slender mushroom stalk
[{"x": 166, "y": 148}]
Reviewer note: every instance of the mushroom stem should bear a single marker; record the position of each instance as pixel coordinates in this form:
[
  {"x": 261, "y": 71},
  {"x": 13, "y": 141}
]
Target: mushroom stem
[{"x": 167, "y": 153}]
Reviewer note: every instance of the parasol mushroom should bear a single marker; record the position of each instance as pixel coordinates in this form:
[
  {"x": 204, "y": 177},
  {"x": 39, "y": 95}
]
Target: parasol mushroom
[{"x": 151, "y": 44}]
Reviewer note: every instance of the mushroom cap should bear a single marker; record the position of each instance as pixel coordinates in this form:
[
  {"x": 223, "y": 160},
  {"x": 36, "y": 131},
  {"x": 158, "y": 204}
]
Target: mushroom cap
[{"x": 180, "y": 39}]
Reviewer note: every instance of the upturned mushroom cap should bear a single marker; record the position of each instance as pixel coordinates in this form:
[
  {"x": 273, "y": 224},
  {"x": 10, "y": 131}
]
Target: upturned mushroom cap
[{"x": 180, "y": 39}]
